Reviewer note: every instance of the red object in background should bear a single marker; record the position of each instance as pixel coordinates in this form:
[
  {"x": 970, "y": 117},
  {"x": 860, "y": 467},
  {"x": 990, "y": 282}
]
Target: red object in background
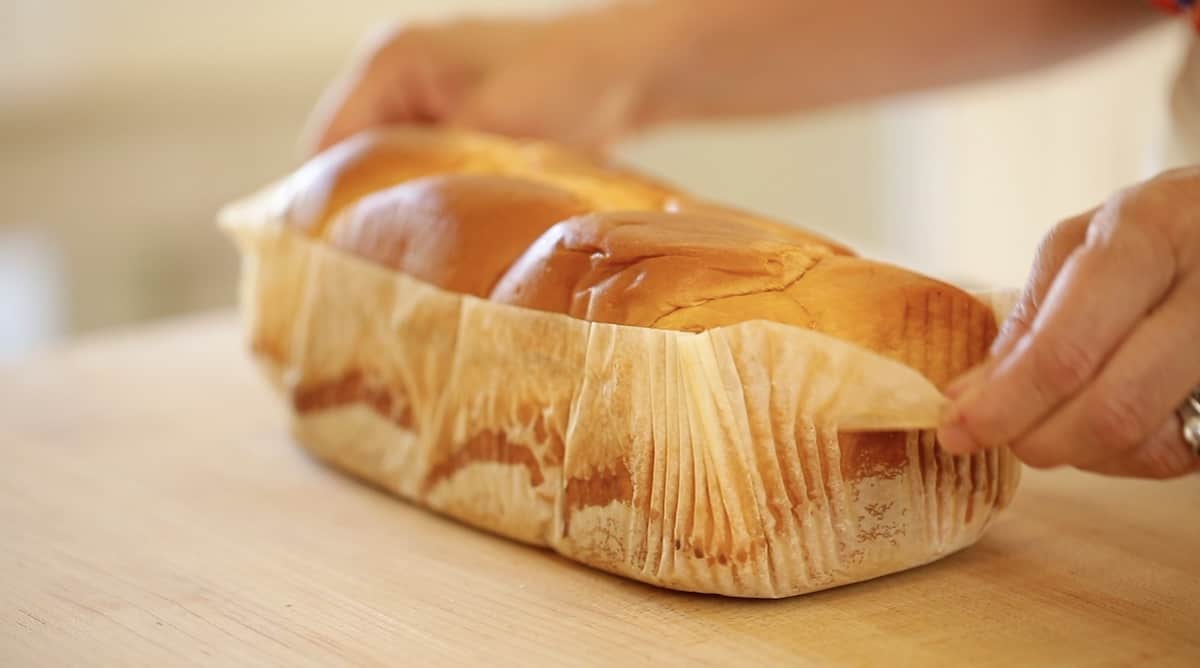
[{"x": 1179, "y": 7}]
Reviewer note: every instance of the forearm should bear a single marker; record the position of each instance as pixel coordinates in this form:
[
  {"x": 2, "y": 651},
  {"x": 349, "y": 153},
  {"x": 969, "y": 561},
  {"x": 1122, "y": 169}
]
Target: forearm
[{"x": 717, "y": 58}]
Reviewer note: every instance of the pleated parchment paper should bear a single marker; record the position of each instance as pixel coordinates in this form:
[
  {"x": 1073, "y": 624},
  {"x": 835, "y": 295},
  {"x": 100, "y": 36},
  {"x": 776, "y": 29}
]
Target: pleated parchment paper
[{"x": 720, "y": 461}]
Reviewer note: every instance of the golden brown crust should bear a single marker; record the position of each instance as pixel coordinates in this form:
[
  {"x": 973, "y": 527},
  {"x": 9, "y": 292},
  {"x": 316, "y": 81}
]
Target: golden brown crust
[
  {"x": 929, "y": 325},
  {"x": 457, "y": 231},
  {"x": 634, "y": 268},
  {"x": 694, "y": 273},
  {"x": 377, "y": 160},
  {"x": 364, "y": 164}
]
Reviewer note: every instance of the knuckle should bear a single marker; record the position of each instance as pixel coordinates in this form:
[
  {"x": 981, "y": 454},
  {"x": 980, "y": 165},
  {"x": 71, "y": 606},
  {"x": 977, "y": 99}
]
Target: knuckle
[
  {"x": 1162, "y": 460},
  {"x": 1116, "y": 421},
  {"x": 1061, "y": 366},
  {"x": 1150, "y": 215},
  {"x": 1066, "y": 233},
  {"x": 386, "y": 41},
  {"x": 1020, "y": 319},
  {"x": 1147, "y": 204}
]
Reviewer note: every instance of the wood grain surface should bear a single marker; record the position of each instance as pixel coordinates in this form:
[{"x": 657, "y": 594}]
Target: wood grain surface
[{"x": 153, "y": 511}]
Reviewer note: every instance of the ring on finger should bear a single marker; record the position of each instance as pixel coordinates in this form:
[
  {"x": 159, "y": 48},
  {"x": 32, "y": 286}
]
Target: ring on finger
[{"x": 1189, "y": 416}]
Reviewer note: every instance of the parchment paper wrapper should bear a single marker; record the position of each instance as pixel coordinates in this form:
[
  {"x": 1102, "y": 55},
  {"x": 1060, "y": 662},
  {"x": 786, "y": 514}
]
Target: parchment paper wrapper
[{"x": 716, "y": 461}]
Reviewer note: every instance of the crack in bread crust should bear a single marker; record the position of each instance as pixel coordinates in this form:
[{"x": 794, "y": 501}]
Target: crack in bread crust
[{"x": 783, "y": 289}]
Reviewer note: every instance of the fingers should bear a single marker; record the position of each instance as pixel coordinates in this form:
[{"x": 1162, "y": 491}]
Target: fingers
[
  {"x": 366, "y": 100},
  {"x": 1092, "y": 374},
  {"x": 1163, "y": 456},
  {"x": 325, "y": 120},
  {"x": 349, "y": 100},
  {"x": 523, "y": 78},
  {"x": 1136, "y": 392},
  {"x": 435, "y": 92},
  {"x": 1052, "y": 253},
  {"x": 1103, "y": 289},
  {"x": 396, "y": 79}
]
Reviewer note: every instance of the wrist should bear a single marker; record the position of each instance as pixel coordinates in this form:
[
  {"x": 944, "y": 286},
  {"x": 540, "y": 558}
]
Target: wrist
[
  {"x": 667, "y": 38},
  {"x": 638, "y": 47},
  {"x": 694, "y": 52}
]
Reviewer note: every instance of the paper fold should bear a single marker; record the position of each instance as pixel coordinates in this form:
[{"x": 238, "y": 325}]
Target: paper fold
[{"x": 722, "y": 461}]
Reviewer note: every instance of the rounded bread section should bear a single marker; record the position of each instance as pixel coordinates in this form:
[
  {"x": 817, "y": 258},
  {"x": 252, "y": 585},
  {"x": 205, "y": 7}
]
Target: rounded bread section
[
  {"x": 693, "y": 273},
  {"x": 373, "y": 161},
  {"x": 638, "y": 268},
  {"x": 459, "y": 232}
]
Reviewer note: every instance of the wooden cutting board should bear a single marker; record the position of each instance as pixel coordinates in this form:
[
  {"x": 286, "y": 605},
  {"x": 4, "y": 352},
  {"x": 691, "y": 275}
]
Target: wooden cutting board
[{"x": 154, "y": 512}]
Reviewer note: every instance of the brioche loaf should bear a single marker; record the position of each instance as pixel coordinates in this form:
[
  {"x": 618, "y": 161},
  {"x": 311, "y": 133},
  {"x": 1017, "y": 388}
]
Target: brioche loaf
[
  {"x": 576, "y": 356},
  {"x": 691, "y": 273}
]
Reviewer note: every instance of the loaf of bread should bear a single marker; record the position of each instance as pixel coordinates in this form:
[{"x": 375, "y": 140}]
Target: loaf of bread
[{"x": 576, "y": 356}]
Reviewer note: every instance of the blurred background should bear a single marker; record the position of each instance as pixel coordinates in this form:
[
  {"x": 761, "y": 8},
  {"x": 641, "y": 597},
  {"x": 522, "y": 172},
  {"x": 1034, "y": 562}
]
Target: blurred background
[{"x": 125, "y": 124}]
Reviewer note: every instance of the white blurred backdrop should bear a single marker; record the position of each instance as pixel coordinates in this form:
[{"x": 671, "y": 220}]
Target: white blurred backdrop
[{"x": 125, "y": 124}]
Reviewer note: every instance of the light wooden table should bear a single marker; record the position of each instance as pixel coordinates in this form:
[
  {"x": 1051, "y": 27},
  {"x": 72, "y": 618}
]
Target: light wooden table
[{"x": 153, "y": 512}]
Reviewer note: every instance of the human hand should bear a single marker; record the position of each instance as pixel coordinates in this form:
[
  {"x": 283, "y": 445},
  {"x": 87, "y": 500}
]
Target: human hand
[
  {"x": 577, "y": 79},
  {"x": 1103, "y": 346}
]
